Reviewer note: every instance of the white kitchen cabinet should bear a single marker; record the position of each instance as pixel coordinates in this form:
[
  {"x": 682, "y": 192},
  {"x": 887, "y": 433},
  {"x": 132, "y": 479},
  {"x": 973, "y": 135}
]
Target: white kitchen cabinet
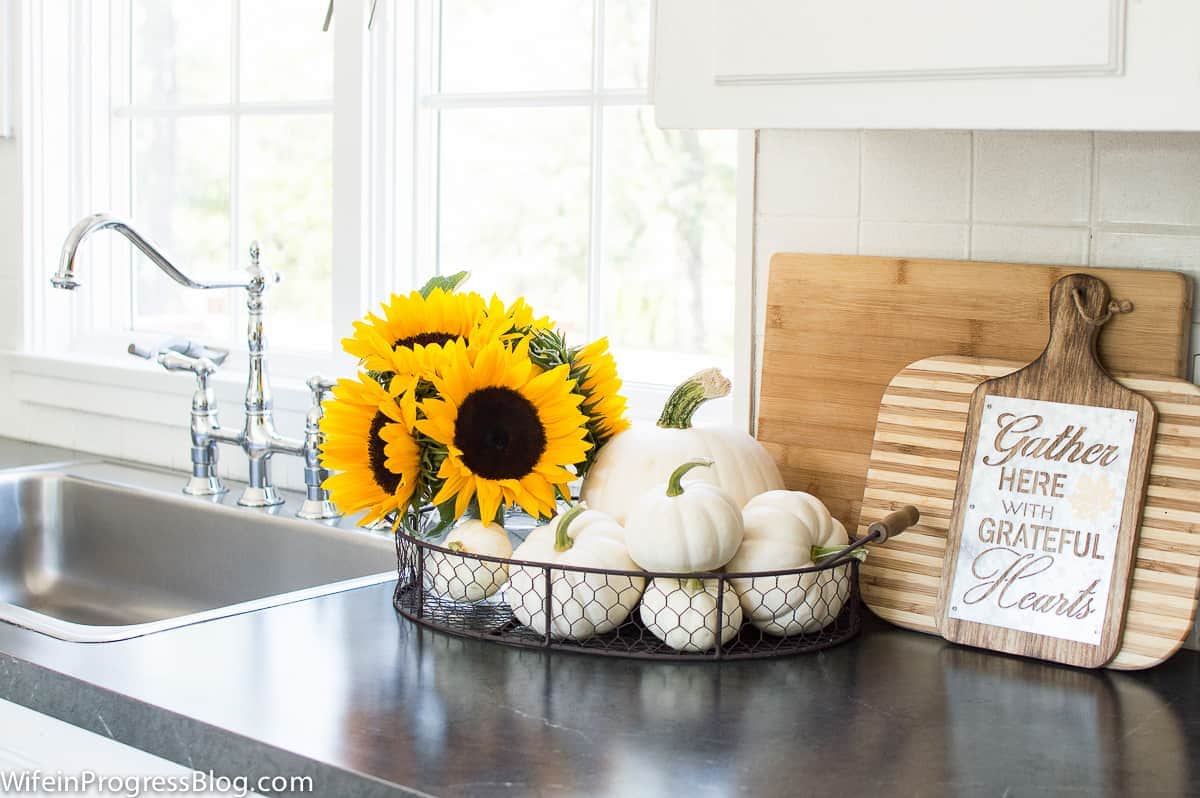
[{"x": 914, "y": 64}]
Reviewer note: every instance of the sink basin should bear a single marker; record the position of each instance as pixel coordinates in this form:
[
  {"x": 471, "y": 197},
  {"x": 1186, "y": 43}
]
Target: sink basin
[{"x": 94, "y": 552}]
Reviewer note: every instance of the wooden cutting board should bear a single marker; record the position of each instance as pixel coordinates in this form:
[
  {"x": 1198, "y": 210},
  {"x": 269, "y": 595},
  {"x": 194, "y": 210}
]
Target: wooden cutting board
[
  {"x": 915, "y": 460},
  {"x": 1055, "y": 455},
  {"x": 839, "y": 327}
]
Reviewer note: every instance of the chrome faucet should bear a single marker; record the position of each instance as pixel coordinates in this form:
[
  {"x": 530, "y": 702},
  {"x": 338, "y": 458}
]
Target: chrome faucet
[{"x": 258, "y": 437}]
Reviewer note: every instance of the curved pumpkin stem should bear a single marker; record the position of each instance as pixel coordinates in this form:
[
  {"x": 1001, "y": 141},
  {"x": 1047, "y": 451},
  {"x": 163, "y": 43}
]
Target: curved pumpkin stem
[
  {"x": 562, "y": 541},
  {"x": 686, "y": 399},
  {"x": 674, "y": 484}
]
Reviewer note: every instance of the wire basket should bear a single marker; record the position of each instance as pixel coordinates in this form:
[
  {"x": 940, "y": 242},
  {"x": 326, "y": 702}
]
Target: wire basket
[{"x": 638, "y": 614}]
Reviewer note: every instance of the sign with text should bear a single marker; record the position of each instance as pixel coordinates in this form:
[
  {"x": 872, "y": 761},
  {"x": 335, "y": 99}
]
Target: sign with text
[{"x": 1042, "y": 516}]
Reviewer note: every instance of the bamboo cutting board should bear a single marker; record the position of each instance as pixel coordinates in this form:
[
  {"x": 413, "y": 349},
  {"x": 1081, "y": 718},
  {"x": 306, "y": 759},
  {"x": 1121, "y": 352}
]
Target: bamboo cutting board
[
  {"x": 915, "y": 460},
  {"x": 839, "y": 327}
]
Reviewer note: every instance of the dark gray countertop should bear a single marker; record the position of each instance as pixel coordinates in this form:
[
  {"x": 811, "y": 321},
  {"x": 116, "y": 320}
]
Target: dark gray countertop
[{"x": 342, "y": 689}]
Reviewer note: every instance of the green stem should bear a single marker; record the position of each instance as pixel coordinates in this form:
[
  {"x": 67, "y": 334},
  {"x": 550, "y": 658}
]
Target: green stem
[
  {"x": 821, "y": 552},
  {"x": 456, "y": 545},
  {"x": 674, "y": 488},
  {"x": 697, "y": 389},
  {"x": 562, "y": 541},
  {"x": 693, "y": 585}
]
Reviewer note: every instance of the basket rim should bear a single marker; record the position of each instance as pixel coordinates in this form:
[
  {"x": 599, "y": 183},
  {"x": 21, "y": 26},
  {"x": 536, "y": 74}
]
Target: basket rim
[{"x": 837, "y": 560}]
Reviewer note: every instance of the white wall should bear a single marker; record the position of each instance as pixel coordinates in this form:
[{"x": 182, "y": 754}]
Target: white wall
[{"x": 1102, "y": 199}]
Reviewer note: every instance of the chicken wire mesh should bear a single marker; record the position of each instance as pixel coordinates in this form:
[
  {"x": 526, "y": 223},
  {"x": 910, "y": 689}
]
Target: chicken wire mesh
[{"x": 627, "y": 613}]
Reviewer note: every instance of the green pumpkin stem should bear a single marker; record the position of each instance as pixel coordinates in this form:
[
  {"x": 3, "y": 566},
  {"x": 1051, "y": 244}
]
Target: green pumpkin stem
[
  {"x": 562, "y": 541},
  {"x": 674, "y": 484},
  {"x": 456, "y": 545},
  {"x": 685, "y": 400},
  {"x": 821, "y": 552},
  {"x": 693, "y": 585}
]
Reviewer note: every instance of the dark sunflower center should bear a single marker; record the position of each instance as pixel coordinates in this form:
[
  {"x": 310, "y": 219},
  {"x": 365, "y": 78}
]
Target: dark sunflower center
[
  {"x": 425, "y": 339},
  {"x": 499, "y": 433},
  {"x": 386, "y": 480}
]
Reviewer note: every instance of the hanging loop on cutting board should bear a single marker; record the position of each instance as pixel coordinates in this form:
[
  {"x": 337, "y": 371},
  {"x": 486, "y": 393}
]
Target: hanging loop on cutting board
[{"x": 1114, "y": 307}]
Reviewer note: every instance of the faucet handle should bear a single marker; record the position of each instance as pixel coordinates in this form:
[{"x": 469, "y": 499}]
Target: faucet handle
[
  {"x": 319, "y": 387},
  {"x": 202, "y": 364}
]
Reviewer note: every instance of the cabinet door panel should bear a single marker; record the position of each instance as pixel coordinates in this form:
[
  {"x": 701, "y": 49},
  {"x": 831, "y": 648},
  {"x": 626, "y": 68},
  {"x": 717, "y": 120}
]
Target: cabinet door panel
[
  {"x": 928, "y": 64},
  {"x": 792, "y": 41}
]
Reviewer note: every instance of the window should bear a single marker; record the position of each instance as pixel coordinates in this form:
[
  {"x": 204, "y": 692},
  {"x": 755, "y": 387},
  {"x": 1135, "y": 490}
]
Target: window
[
  {"x": 549, "y": 178},
  {"x": 515, "y": 140}
]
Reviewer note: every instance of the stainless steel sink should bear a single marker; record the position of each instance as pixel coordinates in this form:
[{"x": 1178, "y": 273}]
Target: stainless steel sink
[{"x": 94, "y": 552}]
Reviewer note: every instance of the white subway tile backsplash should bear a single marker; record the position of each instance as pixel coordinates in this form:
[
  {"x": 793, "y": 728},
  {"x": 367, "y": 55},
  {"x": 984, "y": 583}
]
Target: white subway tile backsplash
[
  {"x": 1032, "y": 178},
  {"x": 1147, "y": 251},
  {"x": 808, "y": 172},
  {"x": 917, "y": 176},
  {"x": 793, "y": 234},
  {"x": 913, "y": 239},
  {"x": 1148, "y": 178},
  {"x": 1024, "y": 244}
]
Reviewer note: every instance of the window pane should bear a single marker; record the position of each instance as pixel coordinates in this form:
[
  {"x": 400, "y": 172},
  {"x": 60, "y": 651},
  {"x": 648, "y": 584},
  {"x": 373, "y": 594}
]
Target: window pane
[
  {"x": 180, "y": 51},
  {"x": 286, "y": 204},
  {"x": 626, "y": 43},
  {"x": 285, "y": 55},
  {"x": 499, "y": 45},
  {"x": 669, "y": 222},
  {"x": 181, "y": 200},
  {"x": 514, "y": 206}
]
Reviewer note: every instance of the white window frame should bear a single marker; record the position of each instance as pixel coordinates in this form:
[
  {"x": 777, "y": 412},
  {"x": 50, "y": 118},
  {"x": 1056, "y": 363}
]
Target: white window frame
[
  {"x": 373, "y": 122},
  {"x": 407, "y": 125}
]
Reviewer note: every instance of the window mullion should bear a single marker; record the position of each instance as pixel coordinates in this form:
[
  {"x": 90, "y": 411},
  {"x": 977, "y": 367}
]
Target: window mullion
[
  {"x": 235, "y": 154},
  {"x": 349, "y": 145},
  {"x": 595, "y": 286}
]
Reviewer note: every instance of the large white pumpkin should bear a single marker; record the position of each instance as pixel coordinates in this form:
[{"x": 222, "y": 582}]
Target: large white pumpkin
[{"x": 639, "y": 457}]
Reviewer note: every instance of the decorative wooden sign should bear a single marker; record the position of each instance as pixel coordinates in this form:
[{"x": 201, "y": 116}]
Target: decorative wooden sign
[{"x": 1050, "y": 493}]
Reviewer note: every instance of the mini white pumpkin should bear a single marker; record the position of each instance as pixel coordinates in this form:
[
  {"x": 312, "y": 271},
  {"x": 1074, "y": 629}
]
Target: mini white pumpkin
[
  {"x": 457, "y": 578},
  {"x": 784, "y": 530},
  {"x": 581, "y": 604},
  {"x": 677, "y": 530},
  {"x": 640, "y": 455},
  {"x": 683, "y": 613}
]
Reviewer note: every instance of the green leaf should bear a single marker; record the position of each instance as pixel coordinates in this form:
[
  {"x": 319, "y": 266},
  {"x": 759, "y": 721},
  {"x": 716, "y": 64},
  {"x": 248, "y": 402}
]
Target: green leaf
[{"x": 446, "y": 282}]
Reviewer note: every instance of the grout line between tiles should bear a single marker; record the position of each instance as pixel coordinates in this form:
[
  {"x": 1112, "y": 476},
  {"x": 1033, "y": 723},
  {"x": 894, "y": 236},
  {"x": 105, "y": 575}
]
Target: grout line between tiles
[
  {"x": 858, "y": 231},
  {"x": 971, "y": 197},
  {"x": 1093, "y": 199}
]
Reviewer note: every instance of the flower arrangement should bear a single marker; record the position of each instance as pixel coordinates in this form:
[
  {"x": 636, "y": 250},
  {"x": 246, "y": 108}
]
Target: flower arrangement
[{"x": 465, "y": 404}]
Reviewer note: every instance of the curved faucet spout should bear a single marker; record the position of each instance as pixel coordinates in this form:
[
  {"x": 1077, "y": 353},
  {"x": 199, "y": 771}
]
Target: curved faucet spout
[{"x": 65, "y": 276}]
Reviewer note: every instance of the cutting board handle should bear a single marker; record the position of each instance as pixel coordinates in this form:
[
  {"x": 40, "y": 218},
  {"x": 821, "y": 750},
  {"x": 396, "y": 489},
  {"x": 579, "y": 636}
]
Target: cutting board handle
[
  {"x": 1080, "y": 305},
  {"x": 894, "y": 523}
]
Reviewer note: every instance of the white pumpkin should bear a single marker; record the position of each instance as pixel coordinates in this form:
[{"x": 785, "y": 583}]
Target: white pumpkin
[
  {"x": 640, "y": 455},
  {"x": 458, "y": 578},
  {"x": 785, "y": 530},
  {"x": 683, "y": 613},
  {"x": 674, "y": 529},
  {"x": 581, "y": 604}
]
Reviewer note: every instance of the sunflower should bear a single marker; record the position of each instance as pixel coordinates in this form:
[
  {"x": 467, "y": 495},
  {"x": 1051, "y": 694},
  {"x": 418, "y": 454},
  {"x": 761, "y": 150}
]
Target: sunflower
[
  {"x": 510, "y": 429},
  {"x": 413, "y": 320},
  {"x": 506, "y": 323},
  {"x": 377, "y": 460},
  {"x": 601, "y": 389}
]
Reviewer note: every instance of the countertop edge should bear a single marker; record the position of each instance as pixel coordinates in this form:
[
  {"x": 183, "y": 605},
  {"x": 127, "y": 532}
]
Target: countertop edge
[{"x": 182, "y": 739}]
